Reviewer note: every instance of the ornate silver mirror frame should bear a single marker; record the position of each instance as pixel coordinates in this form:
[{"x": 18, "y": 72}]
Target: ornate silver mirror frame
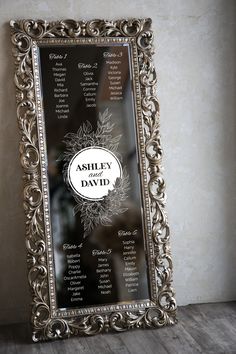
[{"x": 48, "y": 322}]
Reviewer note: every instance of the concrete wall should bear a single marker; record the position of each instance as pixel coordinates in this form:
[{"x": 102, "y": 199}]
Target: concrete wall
[{"x": 196, "y": 62}]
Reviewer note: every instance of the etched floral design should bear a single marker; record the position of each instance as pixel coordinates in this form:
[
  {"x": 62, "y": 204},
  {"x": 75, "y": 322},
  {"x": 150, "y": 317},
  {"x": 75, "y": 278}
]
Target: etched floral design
[
  {"x": 86, "y": 137},
  {"x": 94, "y": 212}
]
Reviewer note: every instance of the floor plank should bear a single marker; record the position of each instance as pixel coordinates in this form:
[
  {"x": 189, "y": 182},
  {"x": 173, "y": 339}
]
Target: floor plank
[
  {"x": 204, "y": 328},
  {"x": 176, "y": 340},
  {"x": 141, "y": 341},
  {"x": 204, "y": 332}
]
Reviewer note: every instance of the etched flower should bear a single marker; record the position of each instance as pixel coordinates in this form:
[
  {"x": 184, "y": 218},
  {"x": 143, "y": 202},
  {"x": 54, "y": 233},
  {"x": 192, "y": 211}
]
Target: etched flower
[{"x": 93, "y": 209}]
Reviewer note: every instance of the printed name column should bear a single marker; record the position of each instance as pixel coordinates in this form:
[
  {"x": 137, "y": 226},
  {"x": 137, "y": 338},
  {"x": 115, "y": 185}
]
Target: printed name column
[
  {"x": 131, "y": 273},
  {"x": 104, "y": 272},
  {"x": 88, "y": 84},
  {"x": 114, "y": 75},
  {"x": 61, "y": 94},
  {"x": 75, "y": 278}
]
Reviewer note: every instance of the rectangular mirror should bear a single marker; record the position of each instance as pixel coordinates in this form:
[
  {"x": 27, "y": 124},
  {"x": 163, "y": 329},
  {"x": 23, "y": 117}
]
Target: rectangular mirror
[{"x": 97, "y": 234}]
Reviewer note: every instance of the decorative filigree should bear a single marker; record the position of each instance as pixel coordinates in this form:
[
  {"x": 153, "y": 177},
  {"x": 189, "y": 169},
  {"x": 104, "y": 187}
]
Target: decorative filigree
[
  {"x": 46, "y": 325},
  {"x": 96, "y": 212}
]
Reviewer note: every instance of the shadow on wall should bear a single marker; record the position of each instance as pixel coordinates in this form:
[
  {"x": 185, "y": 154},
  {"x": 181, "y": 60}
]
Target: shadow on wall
[
  {"x": 14, "y": 294},
  {"x": 226, "y": 170}
]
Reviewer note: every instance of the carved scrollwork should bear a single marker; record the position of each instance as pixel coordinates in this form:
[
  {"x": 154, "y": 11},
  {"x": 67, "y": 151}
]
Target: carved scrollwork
[{"x": 45, "y": 326}]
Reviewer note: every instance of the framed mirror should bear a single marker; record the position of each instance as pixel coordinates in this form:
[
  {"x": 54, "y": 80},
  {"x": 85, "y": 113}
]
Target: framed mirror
[{"x": 97, "y": 234}]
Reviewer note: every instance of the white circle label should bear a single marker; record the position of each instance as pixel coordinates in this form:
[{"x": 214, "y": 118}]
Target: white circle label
[{"x": 93, "y": 171}]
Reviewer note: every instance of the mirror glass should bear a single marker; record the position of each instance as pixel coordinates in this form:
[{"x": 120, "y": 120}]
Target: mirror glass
[{"x": 95, "y": 187}]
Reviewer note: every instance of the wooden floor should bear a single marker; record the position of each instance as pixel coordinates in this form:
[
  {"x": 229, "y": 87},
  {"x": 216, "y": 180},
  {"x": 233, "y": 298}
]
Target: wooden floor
[{"x": 206, "y": 328}]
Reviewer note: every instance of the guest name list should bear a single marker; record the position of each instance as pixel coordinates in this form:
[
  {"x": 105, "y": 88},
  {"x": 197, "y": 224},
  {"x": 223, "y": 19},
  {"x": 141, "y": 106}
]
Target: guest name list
[
  {"x": 87, "y": 80},
  {"x": 75, "y": 277},
  {"x": 108, "y": 265}
]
